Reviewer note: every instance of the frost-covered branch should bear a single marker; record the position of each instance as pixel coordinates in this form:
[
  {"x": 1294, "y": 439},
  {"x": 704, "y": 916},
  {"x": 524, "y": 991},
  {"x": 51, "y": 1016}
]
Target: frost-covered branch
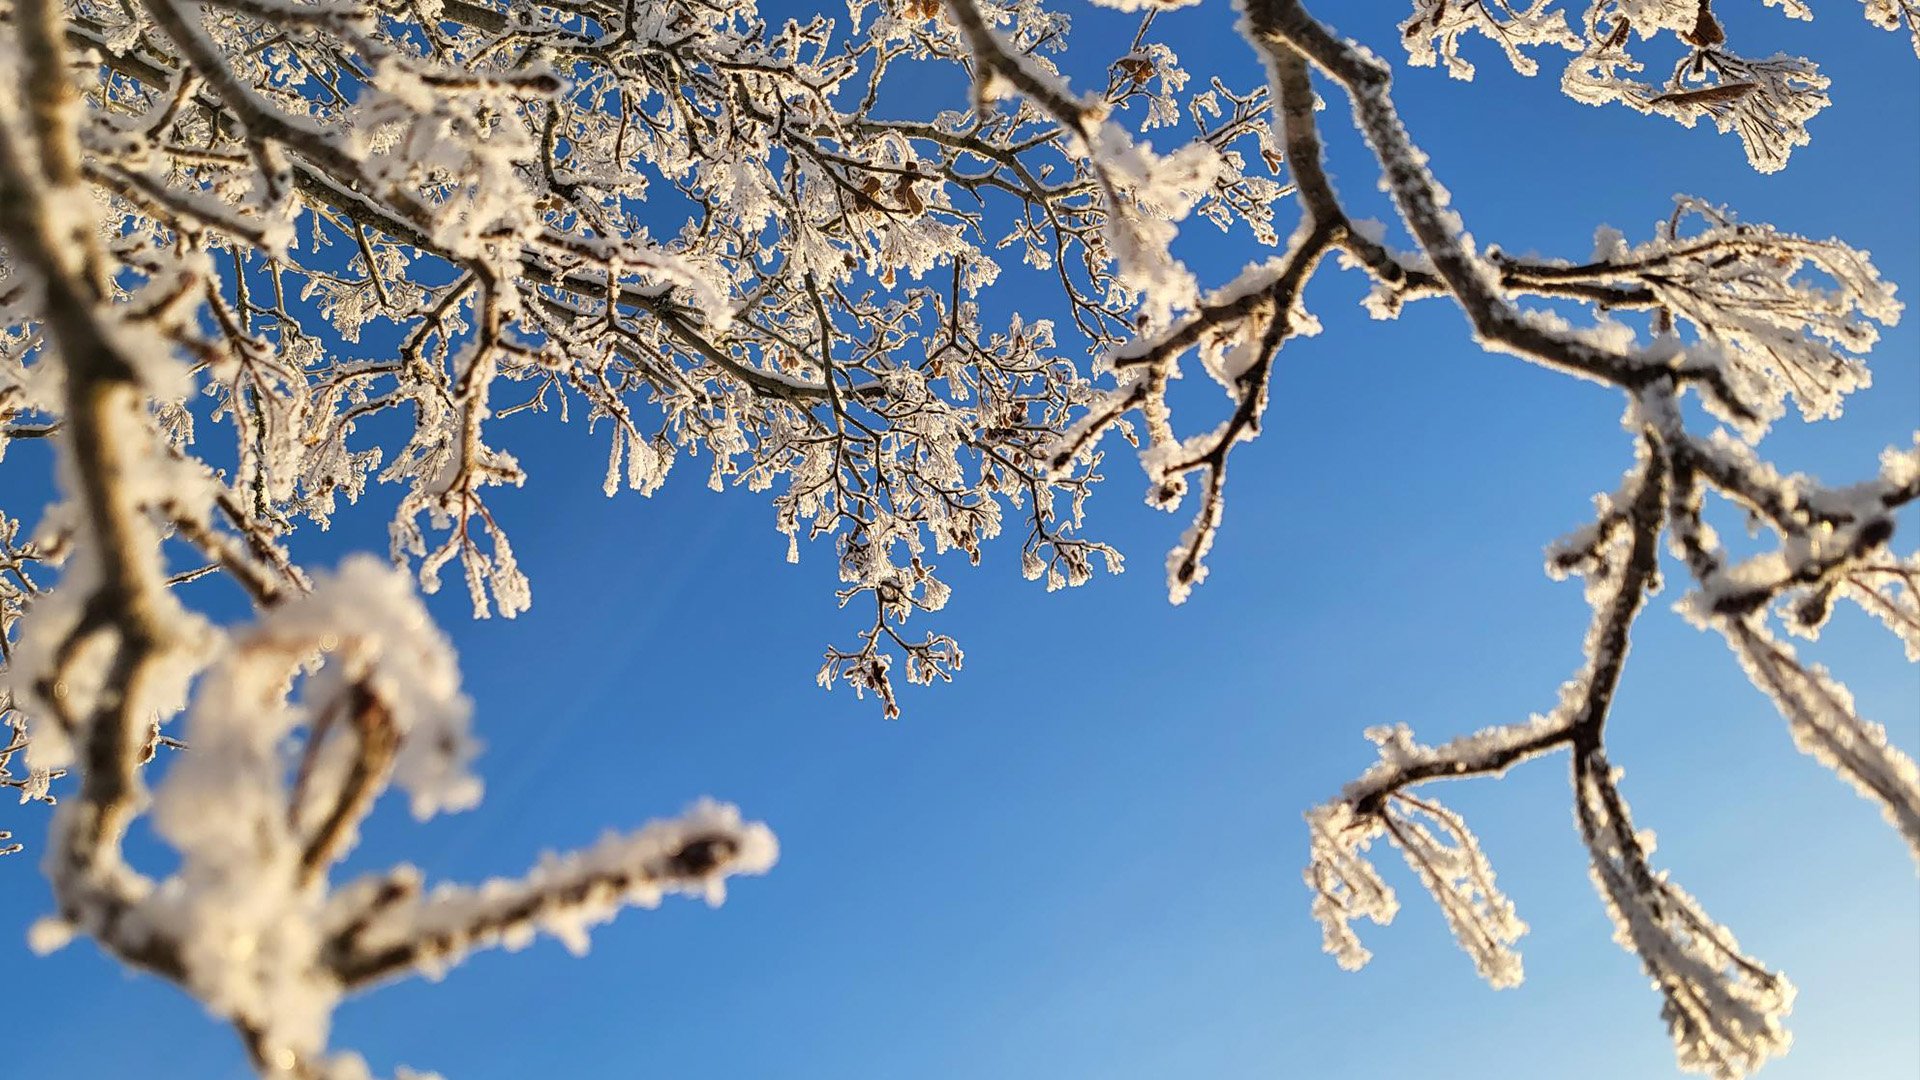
[
  {"x": 1618, "y": 555},
  {"x": 1766, "y": 103},
  {"x": 90, "y": 687},
  {"x": 389, "y": 926},
  {"x": 1762, "y": 334},
  {"x": 109, "y": 653},
  {"x": 1722, "y": 1008}
]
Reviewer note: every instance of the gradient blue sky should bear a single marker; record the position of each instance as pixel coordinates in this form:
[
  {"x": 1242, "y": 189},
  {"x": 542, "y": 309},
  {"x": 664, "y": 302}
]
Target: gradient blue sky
[{"x": 1082, "y": 860}]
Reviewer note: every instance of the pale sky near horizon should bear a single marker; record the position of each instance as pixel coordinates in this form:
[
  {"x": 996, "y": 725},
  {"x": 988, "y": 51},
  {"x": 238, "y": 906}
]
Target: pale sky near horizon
[{"x": 1082, "y": 860}]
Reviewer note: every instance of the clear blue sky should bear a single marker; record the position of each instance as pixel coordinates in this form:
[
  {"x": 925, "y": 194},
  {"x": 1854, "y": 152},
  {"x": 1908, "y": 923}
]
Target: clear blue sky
[{"x": 1082, "y": 860}]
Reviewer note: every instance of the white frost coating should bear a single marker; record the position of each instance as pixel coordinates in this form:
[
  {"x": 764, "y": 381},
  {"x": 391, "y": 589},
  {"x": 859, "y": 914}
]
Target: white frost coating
[
  {"x": 1896, "y": 15},
  {"x": 34, "y": 663},
  {"x": 1722, "y": 1008},
  {"x": 1821, "y": 716},
  {"x": 1145, "y": 5},
  {"x": 1158, "y": 192},
  {"x": 1432, "y": 33},
  {"x": 1344, "y": 883},
  {"x": 1767, "y": 103},
  {"x": 246, "y": 925},
  {"x": 1400, "y": 754},
  {"x": 1146, "y": 193},
  {"x": 1741, "y": 287},
  {"x": 1435, "y": 841},
  {"x": 367, "y": 628},
  {"x": 567, "y": 895},
  {"x": 1890, "y": 592},
  {"x": 49, "y": 934},
  {"x": 60, "y": 666},
  {"x": 1447, "y": 857},
  {"x": 350, "y": 1066}
]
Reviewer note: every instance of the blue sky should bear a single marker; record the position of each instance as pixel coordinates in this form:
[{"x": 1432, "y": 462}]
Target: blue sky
[{"x": 1082, "y": 859}]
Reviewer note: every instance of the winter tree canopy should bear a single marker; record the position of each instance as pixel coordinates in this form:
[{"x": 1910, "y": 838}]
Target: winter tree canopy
[{"x": 262, "y": 256}]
